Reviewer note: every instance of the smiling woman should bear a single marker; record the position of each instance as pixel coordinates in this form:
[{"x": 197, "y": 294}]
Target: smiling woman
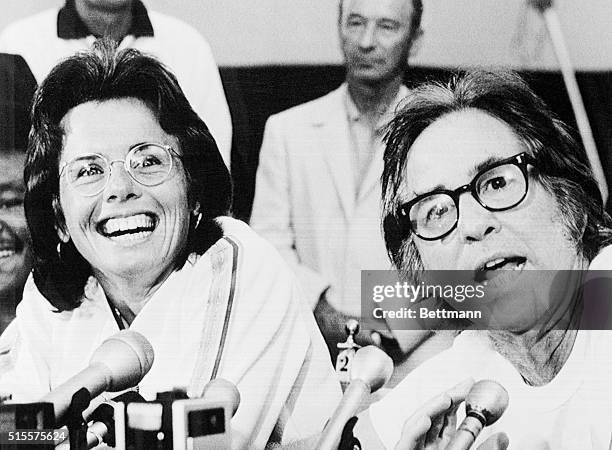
[
  {"x": 15, "y": 257},
  {"x": 129, "y": 224},
  {"x": 126, "y": 194}
]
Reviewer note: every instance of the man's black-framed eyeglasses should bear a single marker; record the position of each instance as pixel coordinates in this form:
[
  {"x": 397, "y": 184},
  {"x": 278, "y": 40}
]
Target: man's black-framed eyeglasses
[{"x": 499, "y": 187}]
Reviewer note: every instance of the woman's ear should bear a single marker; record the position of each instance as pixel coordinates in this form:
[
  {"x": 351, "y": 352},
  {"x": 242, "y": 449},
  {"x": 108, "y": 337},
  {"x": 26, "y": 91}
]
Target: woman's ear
[{"x": 60, "y": 222}]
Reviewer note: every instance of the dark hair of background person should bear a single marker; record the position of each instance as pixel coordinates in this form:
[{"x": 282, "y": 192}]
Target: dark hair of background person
[
  {"x": 99, "y": 75},
  {"x": 562, "y": 164},
  {"x": 17, "y": 86}
]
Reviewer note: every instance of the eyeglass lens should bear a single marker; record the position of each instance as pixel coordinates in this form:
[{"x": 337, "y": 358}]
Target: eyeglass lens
[
  {"x": 148, "y": 164},
  {"x": 499, "y": 188}
]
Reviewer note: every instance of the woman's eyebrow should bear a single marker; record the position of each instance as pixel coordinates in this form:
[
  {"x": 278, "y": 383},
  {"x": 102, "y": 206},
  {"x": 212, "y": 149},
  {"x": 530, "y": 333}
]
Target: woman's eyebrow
[{"x": 140, "y": 143}]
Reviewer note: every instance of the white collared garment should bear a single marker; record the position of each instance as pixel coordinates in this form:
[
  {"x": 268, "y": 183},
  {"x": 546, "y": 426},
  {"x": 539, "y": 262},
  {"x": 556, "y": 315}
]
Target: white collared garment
[
  {"x": 573, "y": 411},
  {"x": 365, "y": 138},
  {"x": 274, "y": 352}
]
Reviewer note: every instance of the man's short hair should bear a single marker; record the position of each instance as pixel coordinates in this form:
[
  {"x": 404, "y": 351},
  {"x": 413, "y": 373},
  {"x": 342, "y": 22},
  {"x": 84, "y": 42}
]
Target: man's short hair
[
  {"x": 562, "y": 164},
  {"x": 415, "y": 19}
]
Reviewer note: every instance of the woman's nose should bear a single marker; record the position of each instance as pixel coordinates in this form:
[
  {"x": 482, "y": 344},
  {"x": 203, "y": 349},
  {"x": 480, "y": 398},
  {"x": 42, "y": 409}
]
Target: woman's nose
[{"x": 120, "y": 185}]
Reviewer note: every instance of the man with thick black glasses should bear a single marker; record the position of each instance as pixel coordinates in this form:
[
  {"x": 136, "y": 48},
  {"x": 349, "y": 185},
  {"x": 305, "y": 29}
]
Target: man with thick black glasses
[{"x": 481, "y": 177}]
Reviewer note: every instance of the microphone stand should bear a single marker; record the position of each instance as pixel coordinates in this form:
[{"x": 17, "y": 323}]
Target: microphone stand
[{"x": 553, "y": 25}]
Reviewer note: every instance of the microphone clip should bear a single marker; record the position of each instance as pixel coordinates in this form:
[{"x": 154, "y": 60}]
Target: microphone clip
[
  {"x": 348, "y": 441},
  {"x": 77, "y": 427}
]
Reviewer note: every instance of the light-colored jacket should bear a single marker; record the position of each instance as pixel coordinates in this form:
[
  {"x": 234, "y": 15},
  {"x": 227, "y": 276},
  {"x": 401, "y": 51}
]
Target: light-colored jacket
[{"x": 308, "y": 205}]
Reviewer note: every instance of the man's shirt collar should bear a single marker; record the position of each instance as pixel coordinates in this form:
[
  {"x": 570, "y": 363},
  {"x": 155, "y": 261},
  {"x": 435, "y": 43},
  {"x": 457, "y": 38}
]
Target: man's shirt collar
[
  {"x": 354, "y": 115},
  {"x": 70, "y": 25}
]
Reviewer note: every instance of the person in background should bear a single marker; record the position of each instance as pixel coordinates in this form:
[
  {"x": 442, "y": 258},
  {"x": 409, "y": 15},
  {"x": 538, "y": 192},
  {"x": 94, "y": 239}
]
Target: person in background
[
  {"x": 15, "y": 252},
  {"x": 480, "y": 176},
  {"x": 49, "y": 36},
  {"x": 126, "y": 201},
  {"x": 15, "y": 257},
  {"x": 317, "y": 193},
  {"x": 17, "y": 86}
]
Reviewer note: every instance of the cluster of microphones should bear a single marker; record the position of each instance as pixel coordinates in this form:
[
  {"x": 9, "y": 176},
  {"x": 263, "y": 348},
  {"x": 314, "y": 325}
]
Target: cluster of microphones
[
  {"x": 127, "y": 421},
  {"x": 175, "y": 420}
]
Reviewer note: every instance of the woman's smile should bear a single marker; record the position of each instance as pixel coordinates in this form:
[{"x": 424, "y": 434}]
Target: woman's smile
[{"x": 127, "y": 227}]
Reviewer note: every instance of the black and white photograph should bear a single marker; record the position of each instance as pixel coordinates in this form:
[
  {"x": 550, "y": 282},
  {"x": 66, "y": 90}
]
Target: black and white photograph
[{"x": 306, "y": 225}]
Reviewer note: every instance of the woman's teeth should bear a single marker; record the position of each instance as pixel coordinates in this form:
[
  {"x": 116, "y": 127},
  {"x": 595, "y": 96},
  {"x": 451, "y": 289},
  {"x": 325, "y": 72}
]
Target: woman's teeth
[
  {"x": 132, "y": 237},
  {"x": 135, "y": 225}
]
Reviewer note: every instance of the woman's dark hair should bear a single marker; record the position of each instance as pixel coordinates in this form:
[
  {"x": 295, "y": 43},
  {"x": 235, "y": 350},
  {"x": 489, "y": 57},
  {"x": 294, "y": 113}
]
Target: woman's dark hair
[
  {"x": 562, "y": 164},
  {"x": 99, "y": 75}
]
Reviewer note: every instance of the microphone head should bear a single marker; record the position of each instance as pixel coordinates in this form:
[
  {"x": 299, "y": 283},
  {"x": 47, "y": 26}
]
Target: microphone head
[
  {"x": 487, "y": 400},
  {"x": 222, "y": 390},
  {"x": 373, "y": 366},
  {"x": 127, "y": 356}
]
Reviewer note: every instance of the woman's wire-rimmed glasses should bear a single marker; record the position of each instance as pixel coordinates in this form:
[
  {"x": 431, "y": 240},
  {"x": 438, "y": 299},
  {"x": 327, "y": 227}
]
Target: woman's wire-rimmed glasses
[
  {"x": 498, "y": 187},
  {"x": 148, "y": 164}
]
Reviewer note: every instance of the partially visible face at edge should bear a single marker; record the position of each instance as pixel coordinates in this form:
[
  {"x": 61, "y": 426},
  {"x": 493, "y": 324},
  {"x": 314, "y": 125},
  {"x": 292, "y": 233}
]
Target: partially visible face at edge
[
  {"x": 375, "y": 38},
  {"x": 530, "y": 236},
  {"x": 15, "y": 252}
]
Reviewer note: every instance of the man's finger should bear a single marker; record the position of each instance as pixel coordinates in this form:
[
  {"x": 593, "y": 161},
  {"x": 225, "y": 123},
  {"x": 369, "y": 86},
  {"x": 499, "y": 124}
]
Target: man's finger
[
  {"x": 434, "y": 417},
  {"x": 497, "y": 441},
  {"x": 413, "y": 433},
  {"x": 458, "y": 392}
]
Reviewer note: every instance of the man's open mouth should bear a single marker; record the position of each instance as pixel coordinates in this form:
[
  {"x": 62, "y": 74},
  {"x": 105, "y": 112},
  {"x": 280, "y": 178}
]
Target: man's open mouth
[{"x": 495, "y": 267}]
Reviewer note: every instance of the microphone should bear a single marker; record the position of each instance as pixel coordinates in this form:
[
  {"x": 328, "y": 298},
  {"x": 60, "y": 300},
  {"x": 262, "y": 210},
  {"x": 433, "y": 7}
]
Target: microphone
[
  {"x": 102, "y": 429},
  {"x": 371, "y": 369},
  {"x": 220, "y": 389},
  {"x": 485, "y": 403},
  {"x": 119, "y": 363}
]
